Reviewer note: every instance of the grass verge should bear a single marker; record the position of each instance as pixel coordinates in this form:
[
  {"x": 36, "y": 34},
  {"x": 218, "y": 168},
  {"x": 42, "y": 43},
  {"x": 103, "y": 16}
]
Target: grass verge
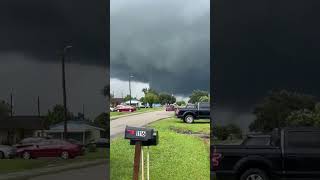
[
  {"x": 17, "y": 164},
  {"x": 177, "y": 156}
]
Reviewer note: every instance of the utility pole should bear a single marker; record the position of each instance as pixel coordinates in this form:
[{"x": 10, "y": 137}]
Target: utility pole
[
  {"x": 11, "y": 103},
  {"x": 64, "y": 91},
  {"x": 130, "y": 76},
  {"x": 38, "y": 103},
  {"x": 83, "y": 111}
]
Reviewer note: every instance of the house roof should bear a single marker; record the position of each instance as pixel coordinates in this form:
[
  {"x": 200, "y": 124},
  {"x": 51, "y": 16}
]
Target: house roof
[
  {"x": 23, "y": 122},
  {"x": 133, "y": 101},
  {"x": 73, "y": 126}
]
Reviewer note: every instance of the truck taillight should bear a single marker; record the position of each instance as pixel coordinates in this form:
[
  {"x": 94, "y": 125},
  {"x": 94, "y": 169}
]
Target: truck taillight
[
  {"x": 177, "y": 111},
  {"x": 215, "y": 159}
]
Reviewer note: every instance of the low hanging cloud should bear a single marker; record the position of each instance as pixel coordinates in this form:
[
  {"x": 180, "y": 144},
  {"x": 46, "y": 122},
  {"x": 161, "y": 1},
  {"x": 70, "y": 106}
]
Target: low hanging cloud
[{"x": 163, "y": 43}]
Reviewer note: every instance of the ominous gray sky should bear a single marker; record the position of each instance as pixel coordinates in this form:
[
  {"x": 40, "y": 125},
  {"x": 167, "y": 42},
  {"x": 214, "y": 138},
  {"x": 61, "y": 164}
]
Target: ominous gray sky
[
  {"x": 260, "y": 46},
  {"x": 164, "y": 43},
  {"x": 33, "y": 34}
]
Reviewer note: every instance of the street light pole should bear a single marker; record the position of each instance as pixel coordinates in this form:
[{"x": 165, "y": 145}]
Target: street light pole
[{"x": 65, "y": 132}]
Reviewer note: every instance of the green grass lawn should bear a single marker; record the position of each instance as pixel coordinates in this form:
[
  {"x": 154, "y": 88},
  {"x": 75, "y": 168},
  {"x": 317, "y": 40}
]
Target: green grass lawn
[
  {"x": 18, "y": 164},
  {"x": 177, "y": 156},
  {"x": 141, "y": 110}
]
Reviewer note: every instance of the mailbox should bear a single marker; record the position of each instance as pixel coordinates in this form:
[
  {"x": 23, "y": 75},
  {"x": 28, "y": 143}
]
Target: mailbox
[{"x": 147, "y": 136}]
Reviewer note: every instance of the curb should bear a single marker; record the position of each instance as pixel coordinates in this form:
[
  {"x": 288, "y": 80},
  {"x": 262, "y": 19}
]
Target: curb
[{"x": 24, "y": 175}]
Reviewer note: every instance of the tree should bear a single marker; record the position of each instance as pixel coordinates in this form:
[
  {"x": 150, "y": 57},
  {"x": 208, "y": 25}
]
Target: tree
[
  {"x": 145, "y": 91},
  {"x": 127, "y": 98},
  {"x": 196, "y": 95},
  {"x": 300, "y": 118},
  {"x": 181, "y": 103},
  {"x": 234, "y": 131},
  {"x": 151, "y": 98},
  {"x": 165, "y": 98},
  {"x": 4, "y": 109},
  {"x": 57, "y": 115},
  {"x": 221, "y": 132},
  {"x": 102, "y": 121},
  {"x": 143, "y": 100},
  {"x": 204, "y": 99},
  {"x": 276, "y": 107}
]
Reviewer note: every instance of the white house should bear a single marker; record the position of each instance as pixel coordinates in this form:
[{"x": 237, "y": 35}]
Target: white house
[
  {"x": 134, "y": 102},
  {"x": 79, "y": 130}
]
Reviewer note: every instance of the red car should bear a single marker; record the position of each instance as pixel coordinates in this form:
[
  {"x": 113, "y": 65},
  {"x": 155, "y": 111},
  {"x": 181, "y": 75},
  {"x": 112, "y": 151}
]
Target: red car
[
  {"x": 170, "y": 108},
  {"x": 125, "y": 108},
  {"x": 50, "y": 148}
]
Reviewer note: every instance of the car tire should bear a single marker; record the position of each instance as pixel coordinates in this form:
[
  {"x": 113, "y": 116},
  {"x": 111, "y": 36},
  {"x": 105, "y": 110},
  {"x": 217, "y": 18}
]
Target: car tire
[
  {"x": 254, "y": 174},
  {"x": 1, "y": 155},
  {"x": 26, "y": 155},
  {"x": 65, "y": 155},
  {"x": 189, "y": 119}
]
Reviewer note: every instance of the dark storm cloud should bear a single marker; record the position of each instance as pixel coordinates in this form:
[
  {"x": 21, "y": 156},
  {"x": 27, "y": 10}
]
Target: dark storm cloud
[
  {"x": 264, "y": 45},
  {"x": 40, "y": 29},
  {"x": 32, "y": 36},
  {"x": 165, "y": 43}
]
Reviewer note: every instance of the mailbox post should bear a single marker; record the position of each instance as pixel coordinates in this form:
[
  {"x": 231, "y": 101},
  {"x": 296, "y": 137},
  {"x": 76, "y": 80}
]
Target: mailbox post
[{"x": 140, "y": 136}]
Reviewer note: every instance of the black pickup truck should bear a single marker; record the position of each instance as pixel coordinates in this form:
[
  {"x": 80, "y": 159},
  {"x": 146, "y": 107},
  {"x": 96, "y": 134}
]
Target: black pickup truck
[
  {"x": 290, "y": 153},
  {"x": 197, "y": 111}
]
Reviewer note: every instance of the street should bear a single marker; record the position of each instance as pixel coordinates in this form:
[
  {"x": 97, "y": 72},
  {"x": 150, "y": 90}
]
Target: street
[
  {"x": 117, "y": 126},
  {"x": 99, "y": 172}
]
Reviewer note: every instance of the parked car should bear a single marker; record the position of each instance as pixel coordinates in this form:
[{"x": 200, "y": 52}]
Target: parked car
[
  {"x": 125, "y": 108},
  {"x": 7, "y": 152},
  {"x": 50, "y": 148},
  {"x": 170, "y": 108},
  {"x": 291, "y": 153},
  {"x": 29, "y": 141},
  {"x": 199, "y": 111},
  {"x": 100, "y": 143}
]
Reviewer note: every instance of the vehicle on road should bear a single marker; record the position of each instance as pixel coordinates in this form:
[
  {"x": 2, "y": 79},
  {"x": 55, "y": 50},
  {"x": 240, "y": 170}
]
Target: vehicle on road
[
  {"x": 125, "y": 108},
  {"x": 191, "y": 113},
  {"x": 170, "y": 107},
  {"x": 50, "y": 148},
  {"x": 7, "y": 152},
  {"x": 290, "y": 153},
  {"x": 29, "y": 141}
]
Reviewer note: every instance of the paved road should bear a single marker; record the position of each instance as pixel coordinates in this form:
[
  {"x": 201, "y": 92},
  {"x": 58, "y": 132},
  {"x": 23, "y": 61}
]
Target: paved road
[
  {"x": 117, "y": 126},
  {"x": 99, "y": 172}
]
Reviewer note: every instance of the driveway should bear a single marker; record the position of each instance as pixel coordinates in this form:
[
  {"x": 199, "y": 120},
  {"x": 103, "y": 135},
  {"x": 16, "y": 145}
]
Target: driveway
[
  {"x": 96, "y": 172},
  {"x": 118, "y": 126}
]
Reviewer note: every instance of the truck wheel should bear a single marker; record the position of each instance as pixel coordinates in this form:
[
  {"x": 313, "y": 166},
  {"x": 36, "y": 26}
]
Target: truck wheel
[
  {"x": 1, "y": 155},
  {"x": 189, "y": 119},
  {"x": 254, "y": 174}
]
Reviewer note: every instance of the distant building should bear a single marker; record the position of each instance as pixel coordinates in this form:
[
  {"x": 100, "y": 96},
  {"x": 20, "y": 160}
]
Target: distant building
[
  {"x": 81, "y": 131},
  {"x": 134, "y": 102},
  {"x": 13, "y": 129}
]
